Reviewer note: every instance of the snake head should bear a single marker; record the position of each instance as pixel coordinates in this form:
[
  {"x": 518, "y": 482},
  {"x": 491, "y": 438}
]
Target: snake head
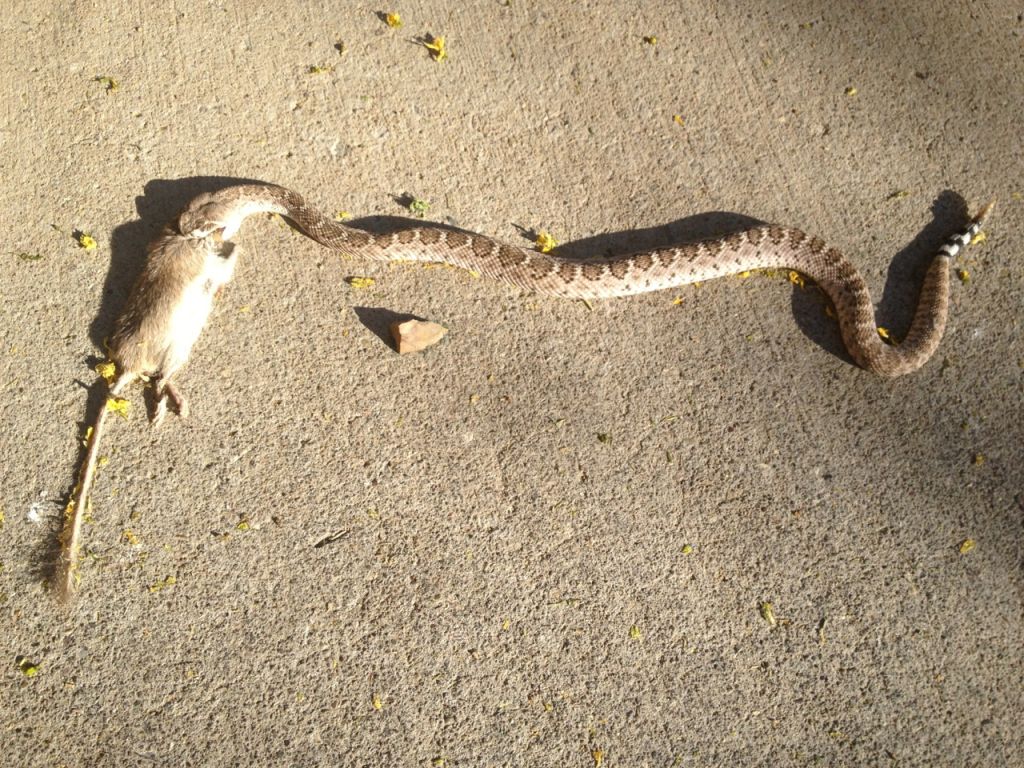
[{"x": 204, "y": 216}]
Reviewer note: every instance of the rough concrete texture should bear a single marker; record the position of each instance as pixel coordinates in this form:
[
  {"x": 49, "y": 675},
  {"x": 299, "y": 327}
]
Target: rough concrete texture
[{"x": 504, "y": 588}]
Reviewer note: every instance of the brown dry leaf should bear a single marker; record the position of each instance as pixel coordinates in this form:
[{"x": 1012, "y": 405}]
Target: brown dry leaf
[{"x": 416, "y": 335}]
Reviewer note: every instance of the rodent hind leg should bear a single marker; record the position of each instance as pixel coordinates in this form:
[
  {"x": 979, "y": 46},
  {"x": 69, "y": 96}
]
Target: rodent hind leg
[{"x": 164, "y": 390}]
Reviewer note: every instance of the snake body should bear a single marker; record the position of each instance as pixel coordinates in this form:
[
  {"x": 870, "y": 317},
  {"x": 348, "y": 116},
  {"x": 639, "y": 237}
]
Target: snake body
[{"x": 760, "y": 247}]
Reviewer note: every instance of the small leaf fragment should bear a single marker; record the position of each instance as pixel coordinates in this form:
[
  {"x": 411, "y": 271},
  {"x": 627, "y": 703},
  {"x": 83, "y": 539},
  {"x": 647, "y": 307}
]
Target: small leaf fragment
[
  {"x": 898, "y": 194},
  {"x": 768, "y": 613},
  {"x": 687, "y": 549},
  {"x": 319, "y": 69},
  {"x": 677, "y": 301},
  {"x": 129, "y": 537},
  {"x": 393, "y": 20},
  {"x": 650, "y": 39},
  {"x": 416, "y": 335},
  {"x": 28, "y": 667},
  {"x": 979, "y": 238},
  {"x": 26, "y": 256},
  {"x": 966, "y": 546},
  {"x": 678, "y": 120},
  {"x": 597, "y": 755},
  {"x": 109, "y": 83},
  {"x": 979, "y": 459},
  {"x": 418, "y": 207},
  {"x": 342, "y": 215},
  {"x": 964, "y": 275},
  {"x": 797, "y": 279},
  {"x": 377, "y": 702},
  {"x": 635, "y": 633},
  {"x": 169, "y": 581},
  {"x": 604, "y": 437},
  {"x": 886, "y": 336},
  {"x": 851, "y": 91}
]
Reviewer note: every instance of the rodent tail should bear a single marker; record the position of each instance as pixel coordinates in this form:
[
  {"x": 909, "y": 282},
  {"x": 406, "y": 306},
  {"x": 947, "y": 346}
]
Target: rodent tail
[{"x": 66, "y": 577}]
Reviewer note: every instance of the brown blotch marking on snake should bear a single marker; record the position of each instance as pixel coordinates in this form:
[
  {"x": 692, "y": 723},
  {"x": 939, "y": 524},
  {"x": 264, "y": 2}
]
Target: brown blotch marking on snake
[
  {"x": 688, "y": 252},
  {"x": 429, "y": 236},
  {"x": 593, "y": 271},
  {"x": 456, "y": 239},
  {"x": 816, "y": 245},
  {"x": 565, "y": 270},
  {"x": 406, "y": 236},
  {"x": 643, "y": 261},
  {"x": 735, "y": 241},
  {"x": 795, "y": 238},
  {"x": 776, "y": 235},
  {"x": 832, "y": 256},
  {"x": 541, "y": 268},
  {"x": 358, "y": 239},
  {"x": 482, "y": 247},
  {"x": 757, "y": 236},
  {"x": 507, "y": 256},
  {"x": 619, "y": 268}
]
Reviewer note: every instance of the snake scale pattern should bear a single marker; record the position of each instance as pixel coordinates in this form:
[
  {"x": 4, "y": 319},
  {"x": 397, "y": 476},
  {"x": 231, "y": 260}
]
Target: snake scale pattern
[{"x": 761, "y": 247}]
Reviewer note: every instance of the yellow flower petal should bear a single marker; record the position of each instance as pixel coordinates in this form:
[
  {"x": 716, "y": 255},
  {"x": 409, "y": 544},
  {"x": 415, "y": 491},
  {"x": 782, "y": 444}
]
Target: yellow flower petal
[
  {"x": 545, "y": 242},
  {"x": 393, "y": 20},
  {"x": 436, "y": 46},
  {"x": 86, "y": 241},
  {"x": 966, "y": 546},
  {"x": 360, "y": 283},
  {"x": 118, "y": 405},
  {"x": 107, "y": 370}
]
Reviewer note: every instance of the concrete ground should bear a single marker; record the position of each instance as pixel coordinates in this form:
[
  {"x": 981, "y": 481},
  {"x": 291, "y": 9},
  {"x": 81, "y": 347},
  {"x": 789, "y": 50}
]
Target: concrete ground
[{"x": 549, "y": 540}]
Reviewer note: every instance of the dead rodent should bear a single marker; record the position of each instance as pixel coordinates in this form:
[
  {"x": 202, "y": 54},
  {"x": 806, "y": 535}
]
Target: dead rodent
[{"x": 166, "y": 311}]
